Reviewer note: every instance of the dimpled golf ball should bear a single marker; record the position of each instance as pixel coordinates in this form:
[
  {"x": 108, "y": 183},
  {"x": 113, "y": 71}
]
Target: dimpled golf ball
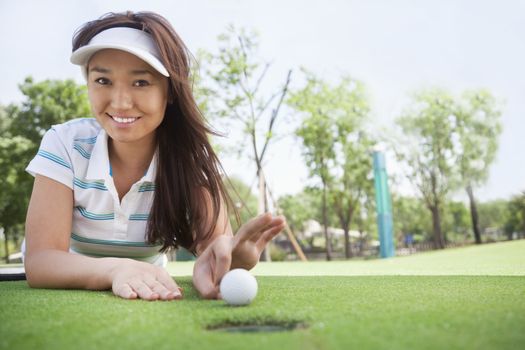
[{"x": 238, "y": 287}]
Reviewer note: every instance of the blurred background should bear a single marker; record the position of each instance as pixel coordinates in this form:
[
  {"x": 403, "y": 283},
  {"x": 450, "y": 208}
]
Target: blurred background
[{"x": 317, "y": 86}]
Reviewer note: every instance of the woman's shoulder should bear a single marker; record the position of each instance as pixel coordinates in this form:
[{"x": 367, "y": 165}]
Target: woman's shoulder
[{"x": 77, "y": 129}]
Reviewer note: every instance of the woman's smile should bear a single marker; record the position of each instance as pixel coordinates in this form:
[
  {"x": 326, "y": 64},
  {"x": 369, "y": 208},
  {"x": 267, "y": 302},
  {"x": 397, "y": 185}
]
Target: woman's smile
[{"x": 120, "y": 119}]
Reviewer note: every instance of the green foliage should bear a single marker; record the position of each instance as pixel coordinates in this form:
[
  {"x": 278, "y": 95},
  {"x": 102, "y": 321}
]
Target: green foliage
[
  {"x": 494, "y": 215},
  {"x": 46, "y": 103},
  {"x": 411, "y": 217},
  {"x": 301, "y": 207},
  {"x": 456, "y": 222},
  {"x": 516, "y": 222},
  {"x": 478, "y": 126},
  {"x": 15, "y": 184},
  {"x": 22, "y": 127},
  {"x": 229, "y": 91},
  {"x": 335, "y": 144},
  {"x": 429, "y": 149},
  {"x": 452, "y": 143},
  {"x": 427, "y": 126}
]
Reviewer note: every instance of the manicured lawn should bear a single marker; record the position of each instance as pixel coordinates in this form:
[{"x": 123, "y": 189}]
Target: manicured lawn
[{"x": 351, "y": 305}]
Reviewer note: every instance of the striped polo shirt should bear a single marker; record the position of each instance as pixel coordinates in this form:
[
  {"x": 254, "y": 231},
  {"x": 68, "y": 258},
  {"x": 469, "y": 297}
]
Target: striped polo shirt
[{"x": 75, "y": 154}]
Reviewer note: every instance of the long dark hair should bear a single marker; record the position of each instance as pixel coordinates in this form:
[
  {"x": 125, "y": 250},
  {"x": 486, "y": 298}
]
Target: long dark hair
[{"x": 188, "y": 171}]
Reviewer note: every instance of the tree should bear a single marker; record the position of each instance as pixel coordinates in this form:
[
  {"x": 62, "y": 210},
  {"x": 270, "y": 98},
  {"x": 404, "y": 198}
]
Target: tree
[
  {"x": 300, "y": 208},
  {"x": 21, "y": 129},
  {"x": 493, "y": 215},
  {"x": 428, "y": 125},
  {"x": 411, "y": 217},
  {"x": 13, "y": 198},
  {"x": 365, "y": 221},
  {"x": 336, "y": 146},
  {"x": 456, "y": 225},
  {"x": 47, "y": 103},
  {"x": 232, "y": 83},
  {"x": 478, "y": 126},
  {"x": 516, "y": 222}
]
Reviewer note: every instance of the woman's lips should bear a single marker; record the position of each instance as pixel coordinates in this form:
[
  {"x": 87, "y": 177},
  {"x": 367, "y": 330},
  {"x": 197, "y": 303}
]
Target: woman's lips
[{"x": 123, "y": 119}]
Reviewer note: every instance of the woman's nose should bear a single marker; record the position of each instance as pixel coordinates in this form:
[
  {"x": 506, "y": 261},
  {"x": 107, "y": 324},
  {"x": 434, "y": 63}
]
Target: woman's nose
[{"x": 121, "y": 98}]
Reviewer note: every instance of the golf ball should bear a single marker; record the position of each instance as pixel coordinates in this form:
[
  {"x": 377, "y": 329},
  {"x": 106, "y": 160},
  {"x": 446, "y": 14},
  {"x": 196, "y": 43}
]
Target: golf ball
[{"x": 238, "y": 287}]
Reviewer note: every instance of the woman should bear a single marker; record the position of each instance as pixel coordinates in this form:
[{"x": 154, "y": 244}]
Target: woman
[{"x": 112, "y": 194}]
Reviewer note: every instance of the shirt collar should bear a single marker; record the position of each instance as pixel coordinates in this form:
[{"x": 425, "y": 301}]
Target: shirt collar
[
  {"x": 152, "y": 169},
  {"x": 98, "y": 168}
]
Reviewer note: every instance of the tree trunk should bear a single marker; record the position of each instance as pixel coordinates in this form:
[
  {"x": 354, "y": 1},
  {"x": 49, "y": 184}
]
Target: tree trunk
[
  {"x": 362, "y": 242},
  {"x": 436, "y": 225},
  {"x": 263, "y": 208},
  {"x": 348, "y": 247},
  {"x": 6, "y": 246},
  {"x": 325, "y": 225},
  {"x": 474, "y": 215},
  {"x": 345, "y": 224}
]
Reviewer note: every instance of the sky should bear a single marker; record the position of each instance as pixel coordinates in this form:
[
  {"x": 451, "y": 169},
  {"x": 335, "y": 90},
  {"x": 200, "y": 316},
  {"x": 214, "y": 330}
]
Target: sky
[{"x": 393, "y": 47}]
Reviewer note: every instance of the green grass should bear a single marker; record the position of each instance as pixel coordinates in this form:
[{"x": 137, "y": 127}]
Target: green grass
[
  {"x": 497, "y": 259},
  {"x": 436, "y": 300}
]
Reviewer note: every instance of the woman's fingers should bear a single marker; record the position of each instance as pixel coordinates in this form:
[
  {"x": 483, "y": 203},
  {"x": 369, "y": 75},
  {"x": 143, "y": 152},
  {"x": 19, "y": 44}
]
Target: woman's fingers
[
  {"x": 136, "y": 279},
  {"x": 143, "y": 290},
  {"x": 124, "y": 291},
  {"x": 163, "y": 292},
  {"x": 202, "y": 280},
  {"x": 170, "y": 285},
  {"x": 276, "y": 225},
  {"x": 268, "y": 235},
  {"x": 254, "y": 228},
  {"x": 222, "y": 250}
]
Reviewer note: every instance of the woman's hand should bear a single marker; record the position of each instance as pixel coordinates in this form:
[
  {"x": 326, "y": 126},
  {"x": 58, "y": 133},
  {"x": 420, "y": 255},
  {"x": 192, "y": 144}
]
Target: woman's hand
[
  {"x": 240, "y": 251},
  {"x": 133, "y": 279}
]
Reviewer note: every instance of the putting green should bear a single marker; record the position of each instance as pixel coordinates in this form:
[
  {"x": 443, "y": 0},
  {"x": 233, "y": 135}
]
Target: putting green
[
  {"x": 366, "y": 311},
  {"x": 497, "y": 259}
]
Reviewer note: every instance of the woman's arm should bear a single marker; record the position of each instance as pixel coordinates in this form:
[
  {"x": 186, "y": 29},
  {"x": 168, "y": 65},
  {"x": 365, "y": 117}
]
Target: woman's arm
[{"x": 49, "y": 264}]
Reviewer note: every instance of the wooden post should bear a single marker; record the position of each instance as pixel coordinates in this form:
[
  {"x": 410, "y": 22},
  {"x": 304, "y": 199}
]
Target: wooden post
[{"x": 289, "y": 232}]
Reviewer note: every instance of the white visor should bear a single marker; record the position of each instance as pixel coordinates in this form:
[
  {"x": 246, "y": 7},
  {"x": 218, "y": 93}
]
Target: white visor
[{"x": 134, "y": 41}]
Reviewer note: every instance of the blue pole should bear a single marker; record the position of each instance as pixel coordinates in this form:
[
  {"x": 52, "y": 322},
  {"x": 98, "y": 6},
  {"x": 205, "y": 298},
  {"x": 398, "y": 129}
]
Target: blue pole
[{"x": 383, "y": 206}]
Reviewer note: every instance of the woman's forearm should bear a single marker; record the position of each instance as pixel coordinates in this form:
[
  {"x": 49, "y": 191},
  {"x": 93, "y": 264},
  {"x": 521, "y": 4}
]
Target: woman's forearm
[{"x": 58, "y": 269}]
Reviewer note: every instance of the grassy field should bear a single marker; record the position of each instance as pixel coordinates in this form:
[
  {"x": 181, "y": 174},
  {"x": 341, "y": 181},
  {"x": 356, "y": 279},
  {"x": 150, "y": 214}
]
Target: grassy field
[{"x": 465, "y": 298}]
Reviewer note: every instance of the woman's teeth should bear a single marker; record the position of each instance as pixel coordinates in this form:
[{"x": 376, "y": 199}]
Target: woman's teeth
[{"x": 124, "y": 120}]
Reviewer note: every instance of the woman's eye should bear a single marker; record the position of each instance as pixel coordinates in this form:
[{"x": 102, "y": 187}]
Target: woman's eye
[
  {"x": 140, "y": 83},
  {"x": 102, "y": 81}
]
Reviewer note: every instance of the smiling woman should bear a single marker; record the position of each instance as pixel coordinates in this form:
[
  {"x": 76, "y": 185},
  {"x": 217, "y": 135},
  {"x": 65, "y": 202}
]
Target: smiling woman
[
  {"x": 113, "y": 193},
  {"x": 128, "y": 98}
]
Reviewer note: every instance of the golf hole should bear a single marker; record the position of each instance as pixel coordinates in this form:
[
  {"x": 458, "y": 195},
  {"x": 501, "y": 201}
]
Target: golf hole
[{"x": 257, "y": 326}]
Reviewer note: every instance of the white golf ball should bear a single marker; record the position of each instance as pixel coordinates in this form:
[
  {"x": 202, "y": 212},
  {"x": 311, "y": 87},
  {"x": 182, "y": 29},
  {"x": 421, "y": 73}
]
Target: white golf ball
[{"x": 238, "y": 287}]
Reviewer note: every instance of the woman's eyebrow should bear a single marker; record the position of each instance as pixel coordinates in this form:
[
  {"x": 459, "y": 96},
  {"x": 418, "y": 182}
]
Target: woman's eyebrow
[
  {"x": 141, "y": 72},
  {"x": 99, "y": 69}
]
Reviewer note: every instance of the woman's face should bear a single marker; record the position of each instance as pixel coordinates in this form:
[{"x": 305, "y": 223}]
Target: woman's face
[{"x": 128, "y": 97}]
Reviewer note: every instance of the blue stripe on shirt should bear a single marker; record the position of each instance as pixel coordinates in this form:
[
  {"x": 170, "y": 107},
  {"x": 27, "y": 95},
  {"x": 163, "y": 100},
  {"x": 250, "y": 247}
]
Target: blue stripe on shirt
[
  {"x": 89, "y": 140},
  {"x": 94, "y": 216},
  {"x": 110, "y": 242},
  {"x": 139, "y": 217},
  {"x": 147, "y": 188},
  {"x": 99, "y": 185},
  {"x": 82, "y": 151},
  {"x": 54, "y": 158}
]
